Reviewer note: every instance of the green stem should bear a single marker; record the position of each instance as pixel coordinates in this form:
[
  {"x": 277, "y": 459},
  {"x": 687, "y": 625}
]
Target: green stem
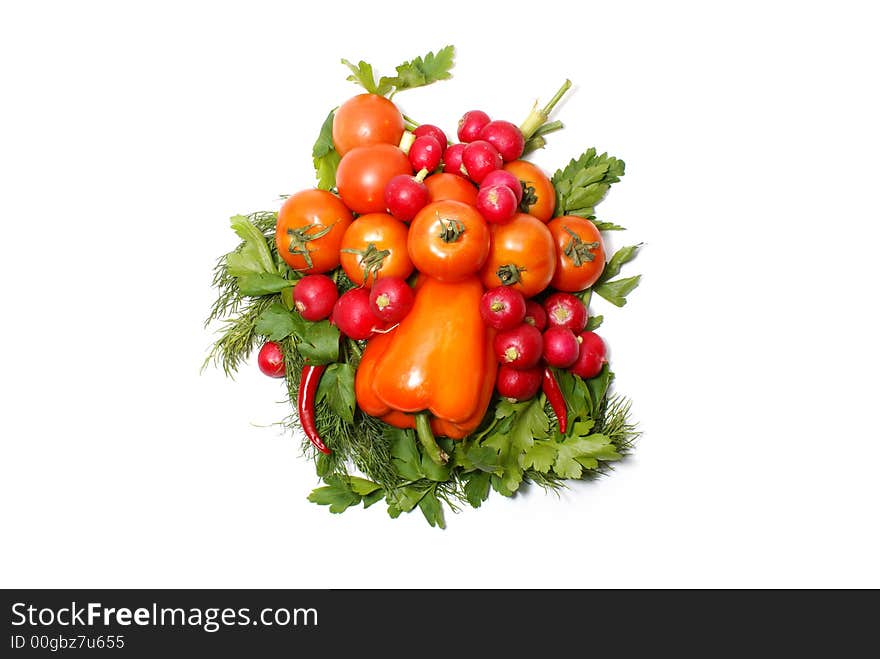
[
  {"x": 429, "y": 443},
  {"x": 533, "y": 144},
  {"x": 538, "y": 118},
  {"x": 410, "y": 122},
  {"x": 406, "y": 141},
  {"x": 559, "y": 94},
  {"x": 423, "y": 172},
  {"x": 550, "y": 127}
]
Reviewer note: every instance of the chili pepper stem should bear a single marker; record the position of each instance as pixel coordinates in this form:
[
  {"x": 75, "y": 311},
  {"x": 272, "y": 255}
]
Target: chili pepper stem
[
  {"x": 538, "y": 118},
  {"x": 429, "y": 443}
]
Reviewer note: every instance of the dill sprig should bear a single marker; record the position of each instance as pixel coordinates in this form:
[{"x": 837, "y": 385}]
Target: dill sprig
[{"x": 238, "y": 336}]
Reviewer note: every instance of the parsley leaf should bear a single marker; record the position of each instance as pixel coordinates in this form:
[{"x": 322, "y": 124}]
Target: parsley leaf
[
  {"x": 621, "y": 256},
  {"x": 337, "y": 388},
  {"x": 584, "y": 181},
  {"x": 318, "y": 343},
  {"x": 476, "y": 488},
  {"x": 324, "y": 155},
  {"x": 342, "y": 492},
  {"x": 422, "y": 71},
  {"x": 522, "y": 424},
  {"x": 607, "y": 226},
  {"x": 362, "y": 74},
  {"x": 432, "y": 509},
  {"x": 275, "y": 323},
  {"x": 578, "y": 453},
  {"x": 616, "y": 291}
]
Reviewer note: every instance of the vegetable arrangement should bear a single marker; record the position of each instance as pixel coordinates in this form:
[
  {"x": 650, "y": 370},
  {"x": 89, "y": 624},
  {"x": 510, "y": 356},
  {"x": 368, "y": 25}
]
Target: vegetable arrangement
[{"x": 427, "y": 305}]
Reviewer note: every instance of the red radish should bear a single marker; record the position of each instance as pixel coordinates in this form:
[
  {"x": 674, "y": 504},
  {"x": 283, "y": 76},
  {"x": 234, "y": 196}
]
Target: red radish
[
  {"x": 314, "y": 296},
  {"x": 561, "y": 347},
  {"x": 405, "y": 196},
  {"x": 566, "y": 310},
  {"x": 452, "y": 160},
  {"x": 497, "y": 204},
  {"x": 520, "y": 347},
  {"x": 478, "y": 159},
  {"x": 505, "y": 137},
  {"x": 535, "y": 315},
  {"x": 591, "y": 356},
  {"x": 433, "y": 131},
  {"x": 503, "y": 307},
  {"x": 352, "y": 314},
  {"x": 271, "y": 360},
  {"x": 518, "y": 385},
  {"x": 470, "y": 125},
  {"x": 391, "y": 298},
  {"x": 501, "y": 177},
  {"x": 425, "y": 153}
]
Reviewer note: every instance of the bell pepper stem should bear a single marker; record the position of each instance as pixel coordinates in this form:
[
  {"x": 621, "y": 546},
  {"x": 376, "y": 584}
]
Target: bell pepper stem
[{"x": 429, "y": 443}]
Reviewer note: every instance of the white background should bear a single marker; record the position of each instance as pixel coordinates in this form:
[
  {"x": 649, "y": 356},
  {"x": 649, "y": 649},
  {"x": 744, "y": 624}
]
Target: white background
[{"x": 130, "y": 133}]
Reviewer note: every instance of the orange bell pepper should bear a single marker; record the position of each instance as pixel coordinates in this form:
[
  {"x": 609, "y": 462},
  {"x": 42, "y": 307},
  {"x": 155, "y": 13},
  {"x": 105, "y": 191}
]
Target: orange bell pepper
[{"x": 438, "y": 361}]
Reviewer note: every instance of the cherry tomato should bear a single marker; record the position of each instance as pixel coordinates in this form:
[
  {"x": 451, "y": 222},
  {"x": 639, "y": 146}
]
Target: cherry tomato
[
  {"x": 374, "y": 247},
  {"x": 580, "y": 253},
  {"x": 539, "y": 195},
  {"x": 442, "y": 187},
  {"x": 522, "y": 255},
  {"x": 366, "y": 119},
  {"x": 309, "y": 230},
  {"x": 364, "y": 172},
  {"x": 448, "y": 240}
]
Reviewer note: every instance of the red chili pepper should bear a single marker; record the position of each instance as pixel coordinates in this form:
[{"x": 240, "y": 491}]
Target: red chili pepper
[
  {"x": 308, "y": 388},
  {"x": 557, "y": 401}
]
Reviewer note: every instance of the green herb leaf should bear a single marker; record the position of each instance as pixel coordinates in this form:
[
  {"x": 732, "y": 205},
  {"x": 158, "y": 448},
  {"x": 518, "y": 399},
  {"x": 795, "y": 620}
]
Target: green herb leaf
[
  {"x": 262, "y": 283},
  {"x": 422, "y": 71},
  {"x": 337, "y": 388},
  {"x": 336, "y": 494},
  {"x": 405, "y": 454},
  {"x": 616, "y": 291},
  {"x": 522, "y": 424},
  {"x": 540, "y": 456},
  {"x": 373, "y": 497},
  {"x": 362, "y": 75},
  {"x": 432, "y": 510},
  {"x": 476, "y": 488},
  {"x": 324, "y": 155},
  {"x": 598, "y": 386},
  {"x": 621, "y": 256},
  {"x": 594, "y": 322},
  {"x": 362, "y": 486},
  {"x": 404, "y": 499},
  {"x": 607, "y": 226},
  {"x": 583, "y": 183},
  {"x": 319, "y": 343},
  {"x": 275, "y": 323},
  {"x": 255, "y": 251}
]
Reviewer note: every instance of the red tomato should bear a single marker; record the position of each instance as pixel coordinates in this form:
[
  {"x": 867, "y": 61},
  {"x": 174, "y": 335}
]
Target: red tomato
[
  {"x": 443, "y": 187},
  {"x": 580, "y": 253},
  {"x": 364, "y": 172},
  {"x": 366, "y": 119},
  {"x": 539, "y": 198},
  {"x": 448, "y": 240},
  {"x": 522, "y": 255},
  {"x": 374, "y": 247},
  {"x": 309, "y": 230}
]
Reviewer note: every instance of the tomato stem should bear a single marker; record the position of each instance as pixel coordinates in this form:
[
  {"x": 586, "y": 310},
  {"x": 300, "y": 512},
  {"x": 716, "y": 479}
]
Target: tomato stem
[{"x": 428, "y": 441}]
